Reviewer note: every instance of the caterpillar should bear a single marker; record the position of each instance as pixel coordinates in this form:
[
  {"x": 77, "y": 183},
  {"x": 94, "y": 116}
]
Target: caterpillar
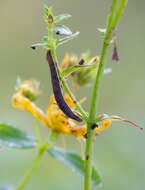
[{"x": 57, "y": 89}]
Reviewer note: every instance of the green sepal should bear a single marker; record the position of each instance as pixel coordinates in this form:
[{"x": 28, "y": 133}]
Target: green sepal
[{"x": 72, "y": 69}]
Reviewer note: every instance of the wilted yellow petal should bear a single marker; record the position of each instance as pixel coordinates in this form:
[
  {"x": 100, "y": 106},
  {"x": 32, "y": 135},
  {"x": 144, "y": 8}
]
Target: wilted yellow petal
[
  {"x": 104, "y": 126},
  {"x": 21, "y": 102}
]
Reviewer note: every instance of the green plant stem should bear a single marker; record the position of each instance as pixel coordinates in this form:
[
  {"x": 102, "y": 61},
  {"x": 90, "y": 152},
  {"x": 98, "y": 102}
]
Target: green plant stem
[
  {"x": 34, "y": 166},
  {"x": 96, "y": 90},
  {"x": 41, "y": 149},
  {"x": 119, "y": 13},
  {"x": 112, "y": 14},
  {"x": 92, "y": 116}
]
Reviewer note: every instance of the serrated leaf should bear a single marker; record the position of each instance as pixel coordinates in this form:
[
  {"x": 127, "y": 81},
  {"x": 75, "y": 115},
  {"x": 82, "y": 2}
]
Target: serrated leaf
[
  {"x": 61, "y": 17},
  {"x": 62, "y": 30},
  {"x": 6, "y": 187},
  {"x": 66, "y": 39},
  {"x": 16, "y": 138},
  {"x": 69, "y": 70},
  {"x": 74, "y": 162}
]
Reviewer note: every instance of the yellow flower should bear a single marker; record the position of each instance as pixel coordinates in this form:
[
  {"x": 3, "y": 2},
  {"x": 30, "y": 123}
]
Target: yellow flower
[{"x": 55, "y": 119}]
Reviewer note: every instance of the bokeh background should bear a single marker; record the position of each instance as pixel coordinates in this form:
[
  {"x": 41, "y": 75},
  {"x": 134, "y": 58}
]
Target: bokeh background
[{"x": 120, "y": 150}]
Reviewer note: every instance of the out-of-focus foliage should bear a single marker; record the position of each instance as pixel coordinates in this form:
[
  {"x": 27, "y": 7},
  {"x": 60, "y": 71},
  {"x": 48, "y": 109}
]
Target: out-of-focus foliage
[
  {"x": 119, "y": 150},
  {"x": 75, "y": 162},
  {"x": 15, "y": 138}
]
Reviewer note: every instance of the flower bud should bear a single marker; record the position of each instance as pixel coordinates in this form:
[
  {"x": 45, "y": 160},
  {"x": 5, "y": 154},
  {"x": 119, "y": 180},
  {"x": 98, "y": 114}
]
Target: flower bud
[
  {"x": 86, "y": 74},
  {"x": 48, "y": 15},
  {"x": 30, "y": 89},
  {"x": 69, "y": 61}
]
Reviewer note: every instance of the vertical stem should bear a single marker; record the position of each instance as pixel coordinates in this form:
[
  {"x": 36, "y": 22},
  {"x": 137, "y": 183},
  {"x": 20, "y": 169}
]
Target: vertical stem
[
  {"x": 97, "y": 85},
  {"x": 92, "y": 116},
  {"x": 112, "y": 14},
  {"x": 113, "y": 21},
  {"x": 119, "y": 12}
]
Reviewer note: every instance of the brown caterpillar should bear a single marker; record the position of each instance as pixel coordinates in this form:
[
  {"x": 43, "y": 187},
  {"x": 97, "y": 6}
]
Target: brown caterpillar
[{"x": 57, "y": 89}]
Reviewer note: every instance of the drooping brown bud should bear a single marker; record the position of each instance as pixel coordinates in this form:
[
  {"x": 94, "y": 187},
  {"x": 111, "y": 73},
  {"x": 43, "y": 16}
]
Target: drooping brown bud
[{"x": 115, "y": 55}]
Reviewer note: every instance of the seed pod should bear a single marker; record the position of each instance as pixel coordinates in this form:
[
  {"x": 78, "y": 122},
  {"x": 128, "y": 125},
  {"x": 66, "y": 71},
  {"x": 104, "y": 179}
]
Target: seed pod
[{"x": 57, "y": 89}]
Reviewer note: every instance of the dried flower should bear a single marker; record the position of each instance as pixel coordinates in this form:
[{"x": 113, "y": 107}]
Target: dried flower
[{"x": 55, "y": 119}]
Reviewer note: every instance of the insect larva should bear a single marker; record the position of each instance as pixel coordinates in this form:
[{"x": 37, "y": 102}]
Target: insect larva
[{"x": 57, "y": 89}]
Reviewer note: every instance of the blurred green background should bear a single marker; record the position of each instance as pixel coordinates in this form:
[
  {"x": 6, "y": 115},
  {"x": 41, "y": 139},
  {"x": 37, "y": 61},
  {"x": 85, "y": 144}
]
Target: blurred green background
[{"x": 120, "y": 150}]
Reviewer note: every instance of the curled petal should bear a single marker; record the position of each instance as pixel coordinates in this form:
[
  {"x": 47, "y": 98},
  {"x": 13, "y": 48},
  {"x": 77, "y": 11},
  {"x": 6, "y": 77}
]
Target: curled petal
[{"x": 115, "y": 117}]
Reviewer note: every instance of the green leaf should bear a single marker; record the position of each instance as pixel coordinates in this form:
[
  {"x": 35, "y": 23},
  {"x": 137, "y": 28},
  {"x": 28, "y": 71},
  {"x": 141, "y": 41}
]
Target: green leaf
[
  {"x": 34, "y": 46},
  {"x": 45, "y": 43},
  {"x": 74, "y": 161},
  {"x": 66, "y": 39},
  {"x": 61, "y": 17},
  {"x": 69, "y": 70},
  {"x": 102, "y": 30},
  {"x": 62, "y": 30},
  {"x": 15, "y": 138}
]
